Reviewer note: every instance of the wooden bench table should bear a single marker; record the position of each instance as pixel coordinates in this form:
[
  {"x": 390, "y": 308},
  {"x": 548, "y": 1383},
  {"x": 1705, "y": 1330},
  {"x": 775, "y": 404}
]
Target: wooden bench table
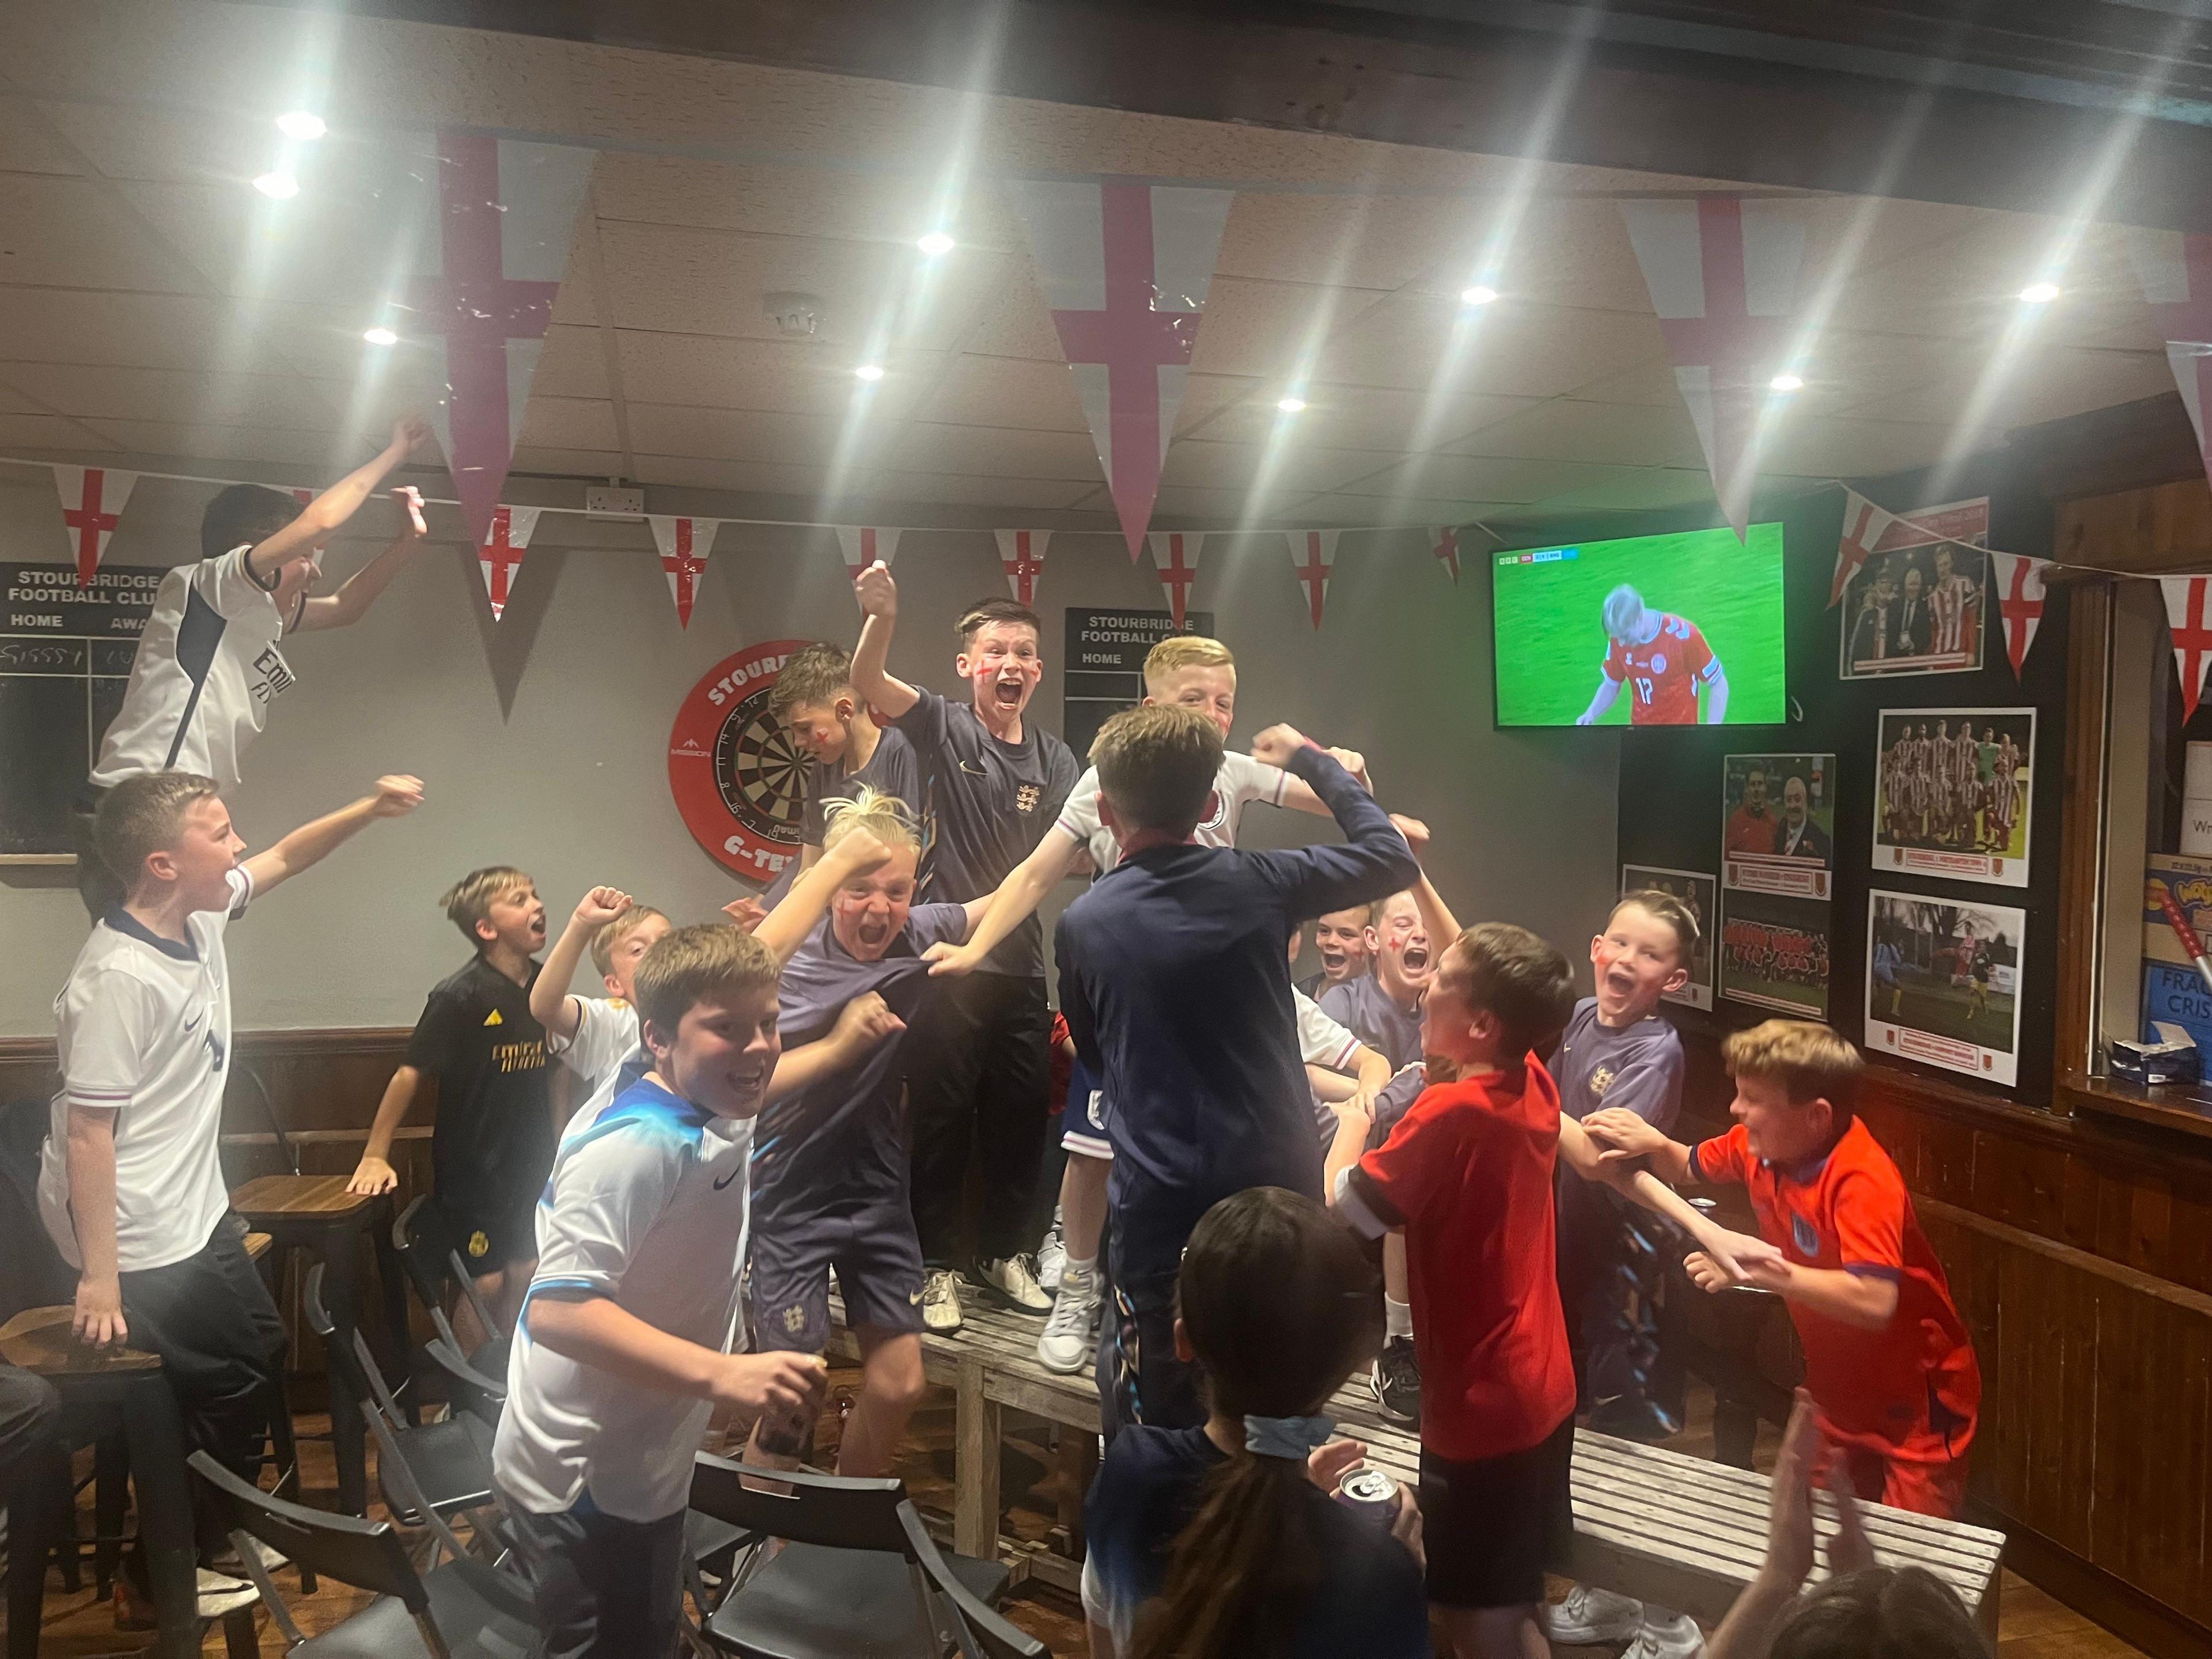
[{"x": 1683, "y": 1532}]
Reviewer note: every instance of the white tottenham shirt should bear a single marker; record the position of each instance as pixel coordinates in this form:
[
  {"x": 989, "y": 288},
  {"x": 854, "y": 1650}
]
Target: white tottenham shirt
[
  {"x": 607, "y": 1037},
  {"x": 1240, "y": 781},
  {"x": 646, "y": 1206},
  {"x": 206, "y": 671},
  {"x": 144, "y": 1028}
]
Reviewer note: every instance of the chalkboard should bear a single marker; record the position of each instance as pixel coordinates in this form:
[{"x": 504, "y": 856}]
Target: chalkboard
[
  {"x": 65, "y": 656},
  {"x": 1103, "y": 669}
]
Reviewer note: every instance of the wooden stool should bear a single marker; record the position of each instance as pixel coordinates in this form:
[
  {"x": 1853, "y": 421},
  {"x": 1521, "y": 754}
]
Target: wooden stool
[{"x": 316, "y": 1213}]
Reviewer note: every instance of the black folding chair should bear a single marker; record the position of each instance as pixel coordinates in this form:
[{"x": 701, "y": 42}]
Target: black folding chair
[
  {"x": 430, "y": 1272},
  {"x": 857, "y": 1574},
  {"x": 449, "y": 1462},
  {"x": 462, "y": 1609},
  {"x": 468, "y": 1388}
]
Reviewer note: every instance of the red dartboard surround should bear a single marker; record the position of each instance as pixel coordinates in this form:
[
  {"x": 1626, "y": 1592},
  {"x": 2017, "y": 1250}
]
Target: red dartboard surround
[{"x": 739, "y": 779}]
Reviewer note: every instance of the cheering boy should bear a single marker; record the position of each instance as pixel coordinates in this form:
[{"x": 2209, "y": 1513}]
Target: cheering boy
[{"x": 595, "y": 1037}]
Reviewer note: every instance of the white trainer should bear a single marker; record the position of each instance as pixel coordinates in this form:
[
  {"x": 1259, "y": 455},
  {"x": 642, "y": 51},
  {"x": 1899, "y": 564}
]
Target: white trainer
[
  {"x": 940, "y": 1301},
  {"x": 1070, "y": 1341},
  {"x": 1011, "y": 1283},
  {"x": 1052, "y": 1257},
  {"x": 1589, "y": 1617},
  {"x": 1665, "y": 1634}
]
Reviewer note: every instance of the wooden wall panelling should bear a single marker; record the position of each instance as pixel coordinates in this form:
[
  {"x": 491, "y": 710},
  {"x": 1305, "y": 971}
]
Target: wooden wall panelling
[{"x": 2160, "y": 528}]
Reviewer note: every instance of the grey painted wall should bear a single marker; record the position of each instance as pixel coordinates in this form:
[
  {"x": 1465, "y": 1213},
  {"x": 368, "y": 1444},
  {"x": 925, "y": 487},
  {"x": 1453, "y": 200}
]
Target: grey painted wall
[{"x": 542, "y": 738}]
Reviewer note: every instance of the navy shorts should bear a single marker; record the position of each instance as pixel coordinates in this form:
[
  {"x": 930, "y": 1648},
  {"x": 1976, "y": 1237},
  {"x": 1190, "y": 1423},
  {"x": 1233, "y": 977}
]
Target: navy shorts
[
  {"x": 877, "y": 1257},
  {"x": 487, "y": 1236}
]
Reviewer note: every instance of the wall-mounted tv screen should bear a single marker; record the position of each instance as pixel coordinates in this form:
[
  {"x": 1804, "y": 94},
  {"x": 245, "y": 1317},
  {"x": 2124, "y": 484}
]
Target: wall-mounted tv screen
[{"x": 1654, "y": 630}]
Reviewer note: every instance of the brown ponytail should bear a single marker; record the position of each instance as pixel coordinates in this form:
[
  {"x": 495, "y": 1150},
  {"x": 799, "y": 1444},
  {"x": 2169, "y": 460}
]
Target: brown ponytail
[{"x": 1279, "y": 1303}]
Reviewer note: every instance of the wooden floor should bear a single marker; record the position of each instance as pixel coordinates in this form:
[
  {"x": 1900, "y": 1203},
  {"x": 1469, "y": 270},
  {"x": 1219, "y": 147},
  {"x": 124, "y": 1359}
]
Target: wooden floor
[{"x": 76, "y": 1627}]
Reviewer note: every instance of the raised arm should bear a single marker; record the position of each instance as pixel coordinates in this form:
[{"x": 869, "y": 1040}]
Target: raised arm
[
  {"x": 1299, "y": 796},
  {"x": 1013, "y": 901},
  {"x": 321, "y": 517},
  {"x": 786, "y": 927},
  {"x": 550, "y": 1005},
  {"x": 1375, "y": 860},
  {"x": 310, "y": 843},
  {"x": 880, "y": 689},
  {"x": 360, "y": 591}
]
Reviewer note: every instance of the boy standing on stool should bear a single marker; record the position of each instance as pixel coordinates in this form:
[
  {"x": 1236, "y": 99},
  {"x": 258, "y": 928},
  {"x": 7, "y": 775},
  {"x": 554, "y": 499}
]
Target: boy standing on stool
[{"x": 596, "y": 1037}]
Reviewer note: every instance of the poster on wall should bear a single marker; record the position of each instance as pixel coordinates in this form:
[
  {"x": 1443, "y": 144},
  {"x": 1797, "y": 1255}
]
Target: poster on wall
[
  {"x": 1774, "y": 952},
  {"x": 1917, "y": 604},
  {"x": 1778, "y": 817},
  {"x": 1943, "y": 983},
  {"x": 1695, "y": 889},
  {"x": 1951, "y": 792}
]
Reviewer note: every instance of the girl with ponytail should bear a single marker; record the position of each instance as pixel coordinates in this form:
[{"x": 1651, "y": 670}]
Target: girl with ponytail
[{"x": 1224, "y": 1541}]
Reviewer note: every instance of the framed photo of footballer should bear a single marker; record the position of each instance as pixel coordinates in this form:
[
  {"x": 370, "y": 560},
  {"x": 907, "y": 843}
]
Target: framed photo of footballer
[
  {"x": 1951, "y": 792},
  {"x": 1943, "y": 983},
  {"x": 1774, "y": 952},
  {"x": 1779, "y": 818},
  {"x": 1695, "y": 888},
  {"x": 1918, "y": 603}
]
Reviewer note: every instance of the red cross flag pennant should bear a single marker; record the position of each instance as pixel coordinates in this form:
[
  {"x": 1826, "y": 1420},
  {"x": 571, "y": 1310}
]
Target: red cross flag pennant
[
  {"x": 1126, "y": 267},
  {"x": 2176, "y": 273},
  {"x": 500, "y": 554},
  {"x": 1864, "y": 525},
  {"x": 1723, "y": 272},
  {"x": 684, "y": 544},
  {"x": 92, "y": 505},
  {"x": 2192, "y": 634},
  {"x": 1021, "y": 556},
  {"x": 1175, "y": 555},
  {"x": 1443, "y": 542},
  {"x": 2020, "y": 601},
  {"x": 505, "y": 214},
  {"x": 1313, "y": 555},
  {"x": 863, "y": 545}
]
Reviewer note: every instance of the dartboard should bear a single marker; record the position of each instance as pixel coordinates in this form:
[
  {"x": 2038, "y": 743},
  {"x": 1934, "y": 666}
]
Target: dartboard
[{"x": 737, "y": 779}]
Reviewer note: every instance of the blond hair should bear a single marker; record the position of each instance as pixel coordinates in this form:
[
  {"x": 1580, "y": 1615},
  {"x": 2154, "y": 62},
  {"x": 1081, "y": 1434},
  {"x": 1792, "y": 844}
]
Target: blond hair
[
  {"x": 1184, "y": 651},
  {"x": 712, "y": 962},
  {"x": 468, "y": 901},
  {"x": 1157, "y": 764},
  {"x": 611, "y": 933},
  {"x": 1808, "y": 1059},
  {"x": 1662, "y": 907},
  {"x": 141, "y": 816},
  {"x": 885, "y": 817}
]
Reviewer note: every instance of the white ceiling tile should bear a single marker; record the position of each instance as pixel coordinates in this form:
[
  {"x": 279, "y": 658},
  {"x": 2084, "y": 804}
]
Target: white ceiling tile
[
  {"x": 568, "y": 423},
  {"x": 66, "y": 233},
  {"x": 1337, "y": 417},
  {"x": 980, "y": 391},
  {"x": 1471, "y": 478},
  {"x": 25, "y": 146},
  {"x": 1010, "y": 319},
  {"x": 802, "y": 378},
  {"x": 190, "y": 146},
  {"x": 1269, "y": 329},
  {"x": 1416, "y": 340},
  {"x": 567, "y": 463},
  {"x": 1848, "y": 448},
  {"x": 168, "y": 395},
  {"x": 1650, "y": 489},
  {"x": 1409, "y": 511},
  {"x": 1376, "y": 242},
  {"x": 289, "y": 444},
  {"x": 994, "y": 452},
  {"x": 1626, "y": 434},
  {"x": 1036, "y": 495},
  {"x": 573, "y": 365},
  {"x": 753, "y": 477},
  {"x": 21, "y": 432},
  {"x": 781, "y": 438},
  {"x": 1286, "y": 470}
]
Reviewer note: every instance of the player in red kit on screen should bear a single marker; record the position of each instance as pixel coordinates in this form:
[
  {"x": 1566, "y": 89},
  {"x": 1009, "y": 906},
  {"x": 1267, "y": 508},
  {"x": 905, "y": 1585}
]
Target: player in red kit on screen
[{"x": 1664, "y": 659}]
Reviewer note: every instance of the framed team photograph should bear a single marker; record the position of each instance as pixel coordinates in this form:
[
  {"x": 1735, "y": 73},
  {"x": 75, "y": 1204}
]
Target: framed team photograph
[
  {"x": 1952, "y": 789},
  {"x": 1695, "y": 888},
  {"x": 1918, "y": 603},
  {"x": 1943, "y": 983},
  {"x": 1778, "y": 823},
  {"x": 1774, "y": 952}
]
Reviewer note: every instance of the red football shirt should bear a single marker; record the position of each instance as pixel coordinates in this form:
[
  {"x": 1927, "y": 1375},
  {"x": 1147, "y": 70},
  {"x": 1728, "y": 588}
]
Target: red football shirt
[
  {"x": 1913, "y": 1387},
  {"x": 1467, "y": 1173},
  {"x": 1664, "y": 675}
]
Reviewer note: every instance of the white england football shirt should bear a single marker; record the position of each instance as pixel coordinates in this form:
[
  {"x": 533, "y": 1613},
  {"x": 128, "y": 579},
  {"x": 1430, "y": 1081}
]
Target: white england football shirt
[
  {"x": 608, "y": 1036},
  {"x": 144, "y": 1028},
  {"x": 646, "y": 1206},
  {"x": 1321, "y": 1041},
  {"x": 206, "y": 671},
  {"x": 1240, "y": 781}
]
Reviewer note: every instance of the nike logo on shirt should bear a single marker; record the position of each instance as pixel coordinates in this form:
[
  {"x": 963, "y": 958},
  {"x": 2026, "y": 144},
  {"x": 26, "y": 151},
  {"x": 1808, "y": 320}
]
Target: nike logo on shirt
[{"x": 727, "y": 1179}]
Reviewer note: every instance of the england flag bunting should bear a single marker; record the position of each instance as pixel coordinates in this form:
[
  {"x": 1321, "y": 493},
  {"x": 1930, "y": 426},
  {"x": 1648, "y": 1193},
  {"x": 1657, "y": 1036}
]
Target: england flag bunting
[
  {"x": 1443, "y": 542},
  {"x": 1021, "y": 556},
  {"x": 1722, "y": 273},
  {"x": 1313, "y": 555},
  {"x": 2192, "y": 634},
  {"x": 2020, "y": 601},
  {"x": 92, "y": 505},
  {"x": 499, "y": 554},
  {"x": 1864, "y": 525},
  {"x": 1125, "y": 267},
  {"x": 2176, "y": 273},
  {"x": 1175, "y": 555},
  {"x": 495, "y": 217},
  {"x": 863, "y": 545},
  {"x": 684, "y": 544}
]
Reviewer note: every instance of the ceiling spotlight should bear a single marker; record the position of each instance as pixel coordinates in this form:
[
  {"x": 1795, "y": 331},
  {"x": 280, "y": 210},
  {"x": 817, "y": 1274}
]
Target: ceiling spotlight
[
  {"x": 1786, "y": 381},
  {"x": 1481, "y": 294},
  {"x": 869, "y": 372},
  {"x": 1289, "y": 405},
  {"x": 379, "y": 336},
  {"x": 278, "y": 186},
  {"x": 302, "y": 125},
  {"x": 937, "y": 242},
  {"x": 2040, "y": 293}
]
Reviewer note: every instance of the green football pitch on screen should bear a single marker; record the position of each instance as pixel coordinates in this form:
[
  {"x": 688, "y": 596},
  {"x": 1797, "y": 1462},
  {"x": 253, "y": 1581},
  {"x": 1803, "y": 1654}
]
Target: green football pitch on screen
[{"x": 1551, "y": 645}]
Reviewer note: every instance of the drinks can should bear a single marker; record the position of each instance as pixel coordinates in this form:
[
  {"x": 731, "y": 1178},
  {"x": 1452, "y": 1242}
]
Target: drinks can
[{"x": 1371, "y": 1495}]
